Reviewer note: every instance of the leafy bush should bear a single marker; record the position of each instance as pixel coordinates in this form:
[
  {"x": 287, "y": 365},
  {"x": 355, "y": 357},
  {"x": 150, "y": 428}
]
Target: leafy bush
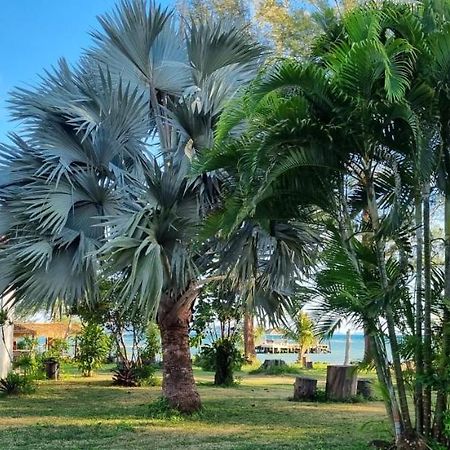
[
  {"x": 30, "y": 362},
  {"x": 125, "y": 375},
  {"x": 206, "y": 358},
  {"x": 57, "y": 351},
  {"x": 223, "y": 358},
  {"x": 152, "y": 343},
  {"x": 133, "y": 375},
  {"x": 16, "y": 384},
  {"x": 93, "y": 348}
]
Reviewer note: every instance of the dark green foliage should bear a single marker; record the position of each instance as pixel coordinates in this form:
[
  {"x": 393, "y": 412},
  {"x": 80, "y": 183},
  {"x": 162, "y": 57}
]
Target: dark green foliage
[
  {"x": 29, "y": 362},
  {"x": 93, "y": 348},
  {"x": 152, "y": 343},
  {"x": 57, "y": 351},
  {"x": 132, "y": 374},
  {"x": 207, "y": 356},
  {"x": 321, "y": 397},
  {"x": 16, "y": 384},
  {"x": 276, "y": 370}
]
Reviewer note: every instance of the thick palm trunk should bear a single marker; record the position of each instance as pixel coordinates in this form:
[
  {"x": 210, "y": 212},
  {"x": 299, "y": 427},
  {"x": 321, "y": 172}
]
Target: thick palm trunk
[
  {"x": 178, "y": 379},
  {"x": 249, "y": 338},
  {"x": 419, "y": 315}
]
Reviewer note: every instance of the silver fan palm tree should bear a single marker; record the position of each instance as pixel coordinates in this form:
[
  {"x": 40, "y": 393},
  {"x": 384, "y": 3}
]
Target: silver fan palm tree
[{"x": 99, "y": 180}]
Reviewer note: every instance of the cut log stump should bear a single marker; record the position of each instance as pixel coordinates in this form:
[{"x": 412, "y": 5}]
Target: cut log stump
[
  {"x": 269, "y": 363},
  {"x": 341, "y": 382},
  {"x": 305, "y": 388},
  {"x": 364, "y": 388}
]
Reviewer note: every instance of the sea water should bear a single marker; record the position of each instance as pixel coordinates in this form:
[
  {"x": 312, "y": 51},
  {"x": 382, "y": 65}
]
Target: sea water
[{"x": 336, "y": 345}]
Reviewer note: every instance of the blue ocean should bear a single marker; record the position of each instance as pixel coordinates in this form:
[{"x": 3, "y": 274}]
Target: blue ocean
[
  {"x": 336, "y": 346},
  {"x": 337, "y": 351}
]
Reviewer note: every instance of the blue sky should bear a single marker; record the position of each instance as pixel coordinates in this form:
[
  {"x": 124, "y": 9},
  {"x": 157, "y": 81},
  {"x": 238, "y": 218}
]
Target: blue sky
[{"x": 34, "y": 34}]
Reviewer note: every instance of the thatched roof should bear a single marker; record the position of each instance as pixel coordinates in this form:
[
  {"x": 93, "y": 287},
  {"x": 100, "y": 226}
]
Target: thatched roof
[{"x": 54, "y": 330}]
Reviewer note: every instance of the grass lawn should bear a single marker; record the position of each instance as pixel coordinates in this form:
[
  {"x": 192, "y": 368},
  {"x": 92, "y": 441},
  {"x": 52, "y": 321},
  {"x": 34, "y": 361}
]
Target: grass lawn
[{"x": 79, "y": 413}]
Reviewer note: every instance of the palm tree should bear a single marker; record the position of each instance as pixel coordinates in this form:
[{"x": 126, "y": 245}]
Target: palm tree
[
  {"x": 302, "y": 331},
  {"x": 337, "y": 120},
  {"x": 102, "y": 170}
]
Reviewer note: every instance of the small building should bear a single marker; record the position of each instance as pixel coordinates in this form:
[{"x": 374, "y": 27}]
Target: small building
[{"x": 49, "y": 331}]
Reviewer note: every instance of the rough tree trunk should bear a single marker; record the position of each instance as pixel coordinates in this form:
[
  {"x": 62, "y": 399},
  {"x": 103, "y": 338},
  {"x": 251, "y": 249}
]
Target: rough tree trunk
[
  {"x": 341, "y": 382},
  {"x": 178, "y": 379},
  {"x": 305, "y": 389},
  {"x": 368, "y": 348},
  {"x": 249, "y": 338}
]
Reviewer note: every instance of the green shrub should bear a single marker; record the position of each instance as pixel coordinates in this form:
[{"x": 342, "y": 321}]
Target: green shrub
[
  {"x": 93, "y": 348},
  {"x": 57, "y": 351},
  {"x": 16, "y": 384},
  {"x": 133, "y": 375},
  {"x": 206, "y": 358},
  {"x": 275, "y": 370},
  {"x": 30, "y": 365},
  {"x": 29, "y": 362},
  {"x": 152, "y": 343}
]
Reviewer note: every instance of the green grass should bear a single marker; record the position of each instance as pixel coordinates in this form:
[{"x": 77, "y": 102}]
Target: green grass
[{"x": 87, "y": 414}]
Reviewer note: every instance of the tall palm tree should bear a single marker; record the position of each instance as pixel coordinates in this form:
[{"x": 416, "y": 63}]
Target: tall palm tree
[
  {"x": 99, "y": 184},
  {"x": 338, "y": 119}
]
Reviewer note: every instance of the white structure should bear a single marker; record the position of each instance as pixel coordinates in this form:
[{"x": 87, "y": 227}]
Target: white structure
[
  {"x": 348, "y": 344},
  {"x": 6, "y": 342}
]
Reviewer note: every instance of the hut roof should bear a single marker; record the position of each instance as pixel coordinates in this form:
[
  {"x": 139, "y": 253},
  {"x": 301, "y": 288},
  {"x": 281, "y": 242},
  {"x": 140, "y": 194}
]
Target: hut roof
[{"x": 54, "y": 330}]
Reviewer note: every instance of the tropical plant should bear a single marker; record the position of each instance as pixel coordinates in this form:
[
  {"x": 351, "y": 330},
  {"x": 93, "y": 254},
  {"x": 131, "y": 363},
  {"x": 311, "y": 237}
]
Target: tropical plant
[
  {"x": 103, "y": 168},
  {"x": 132, "y": 374},
  {"x": 16, "y": 384},
  {"x": 218, "y": 321},
  {"x": 302, "y": 330},
  {"x": 152, "y": 344},
  {"x": 30, "y": 361},
  {"x": 93, "y": 348},
  {"x": 350, "y": 124},
  {"x": 57, "y": 351}
]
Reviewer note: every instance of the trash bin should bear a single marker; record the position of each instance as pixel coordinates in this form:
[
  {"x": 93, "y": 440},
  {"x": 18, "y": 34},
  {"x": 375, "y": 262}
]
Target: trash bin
[{"x": 51, "y": 369}]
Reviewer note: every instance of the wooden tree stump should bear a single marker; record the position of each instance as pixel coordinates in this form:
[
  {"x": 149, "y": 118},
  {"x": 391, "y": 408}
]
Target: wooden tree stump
[
  {"x": 268, "y": 363},
  {"x": 341, "y": 382},
  {"x": 364, "y": 388},
  {"x": 309, "y": 365},
  {"x": 305, "y": 388}
]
